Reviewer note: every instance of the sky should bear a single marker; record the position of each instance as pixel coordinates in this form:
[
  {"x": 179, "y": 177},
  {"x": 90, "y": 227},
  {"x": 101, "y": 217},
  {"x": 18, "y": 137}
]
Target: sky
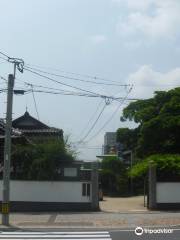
[{"x": 126, "y": 41}]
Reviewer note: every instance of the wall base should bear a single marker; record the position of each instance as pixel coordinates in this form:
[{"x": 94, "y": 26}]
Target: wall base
[
  {"x": 168, "y": 206},
  {"x": 49, "y": 206}
]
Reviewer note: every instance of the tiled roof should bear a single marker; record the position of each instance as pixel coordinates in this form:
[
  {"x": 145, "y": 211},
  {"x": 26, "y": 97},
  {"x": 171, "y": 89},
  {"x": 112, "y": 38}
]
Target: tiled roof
[
  {"x": 26, "y": 124},
  {"x": 50, "y": 130}
]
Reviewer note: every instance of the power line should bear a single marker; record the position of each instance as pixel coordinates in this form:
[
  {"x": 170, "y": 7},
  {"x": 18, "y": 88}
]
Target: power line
[
  {"x": 35, "y": 102},
  {"x": 66, "y": 92},
  {"x": 92, "y": 117},
  {"x": 3, "y": 90},
  {"x": 91, "y": 77},
  {"x": 4, "y": 59},
  {"x": 69, "y": 94},
  {"x": 92, "y": 127},
  {"x": 5, "y": 55},
  {"x": 71, "y": 86},
  {"x": 12, "y": 60},
  {"x": 1, "y": 77},
  {"x": 77, "y": 79},
  {"x": 67, "y": 85},
  {"x": 111, "y": 117},
  {"x": 72, "y": 93},
  {"x": 79, "y": 74},
  {"x": 63, "y": 93},
  {"x": 59, "y": 91}
]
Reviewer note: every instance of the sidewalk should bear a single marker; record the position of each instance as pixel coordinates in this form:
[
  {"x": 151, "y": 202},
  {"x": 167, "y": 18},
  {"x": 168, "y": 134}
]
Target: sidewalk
[
  {"x": 93, "y": 220},
  {"x": 123, "y": 204},
  {"x": 115, "y": 213}
]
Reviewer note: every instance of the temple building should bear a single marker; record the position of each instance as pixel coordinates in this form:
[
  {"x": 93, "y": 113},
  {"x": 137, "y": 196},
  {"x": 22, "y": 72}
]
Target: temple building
[
  {"x": 34, "y": 130},
  {"x": 27, "y": 129}
]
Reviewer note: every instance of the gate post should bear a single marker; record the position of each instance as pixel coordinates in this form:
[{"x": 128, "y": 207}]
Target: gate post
[
  {"x": 152, "y": 186},
  {"x": 95, "y": 187}
]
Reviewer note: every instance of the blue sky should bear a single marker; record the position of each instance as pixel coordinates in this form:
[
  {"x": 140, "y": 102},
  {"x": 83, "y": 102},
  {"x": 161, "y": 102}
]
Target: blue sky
[{"x": 131, "y": 42}]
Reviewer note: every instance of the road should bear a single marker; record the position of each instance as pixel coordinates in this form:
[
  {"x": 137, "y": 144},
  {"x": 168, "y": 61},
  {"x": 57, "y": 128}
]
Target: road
[
  {"x": 86, "y": 234},
  {"x": 129, "y": 234}
]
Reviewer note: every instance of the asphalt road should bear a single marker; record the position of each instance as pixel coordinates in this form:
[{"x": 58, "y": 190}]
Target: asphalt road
[
  {"x": 130, "y": 235},
  {"x": 92, "y": 234}
]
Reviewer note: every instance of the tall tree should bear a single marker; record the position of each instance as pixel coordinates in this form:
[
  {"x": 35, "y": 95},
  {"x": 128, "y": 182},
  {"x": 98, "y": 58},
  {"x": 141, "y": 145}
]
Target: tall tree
[
  {"x": 159, "y": 122},
  {"x": 127, "y": 137}
]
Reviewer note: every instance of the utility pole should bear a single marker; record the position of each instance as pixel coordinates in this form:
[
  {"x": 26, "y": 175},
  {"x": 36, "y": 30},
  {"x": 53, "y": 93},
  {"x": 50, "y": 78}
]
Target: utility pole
[
  {"x": 18, "y": 63},
  {"x": 7, "y": 152}
]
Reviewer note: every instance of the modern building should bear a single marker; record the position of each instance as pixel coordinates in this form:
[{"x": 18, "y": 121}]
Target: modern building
[
  {"x": 110, "y": 143},
  {"x": 115, "y": 149}
]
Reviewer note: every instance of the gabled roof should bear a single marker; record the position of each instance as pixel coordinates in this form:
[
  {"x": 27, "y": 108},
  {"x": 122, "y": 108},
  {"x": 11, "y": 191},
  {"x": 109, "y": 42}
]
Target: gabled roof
[{"x": 28, "y": 122}]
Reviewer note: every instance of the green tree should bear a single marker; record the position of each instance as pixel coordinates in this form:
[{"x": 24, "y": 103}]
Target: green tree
[
  {"x": 159, "y": 123},
  {"x": 114, "y": 176},
  {"x": 40, "y": 161},
  {"x": 127, "y": 137},
  {"x": 168, "y": 166}
]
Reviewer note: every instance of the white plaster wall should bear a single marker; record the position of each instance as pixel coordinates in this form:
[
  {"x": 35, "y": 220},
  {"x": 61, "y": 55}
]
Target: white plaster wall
[
  {"x": 168, "y": 192},
  {"x": 42, "y": 191}
]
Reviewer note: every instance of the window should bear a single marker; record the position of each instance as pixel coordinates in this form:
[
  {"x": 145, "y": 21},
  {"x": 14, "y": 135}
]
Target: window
[
  {"x": 86, "y": 189},
  {"x": 70, "y": 172}
]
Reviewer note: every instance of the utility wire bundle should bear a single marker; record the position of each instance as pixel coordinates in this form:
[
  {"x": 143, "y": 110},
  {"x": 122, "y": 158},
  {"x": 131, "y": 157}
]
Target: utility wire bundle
[{"x": 75, "y": 90}]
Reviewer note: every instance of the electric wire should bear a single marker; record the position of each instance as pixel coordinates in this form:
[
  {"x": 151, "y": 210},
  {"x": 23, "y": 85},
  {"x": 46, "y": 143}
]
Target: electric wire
[
  {"x": 93, "y": 125},
  {"x": 79, "y": 74},
  {"x": 91, "y": 118},
  {"x": 92, "y": 77},
  {"x": 35, "y": 103},
  {"x": 71, "y": 86},
  {"x": 5, "y": 55},
  {"x": 85, "y": 75},
  {"x": 1, "y": 77},
  {"x": 76, "y": 79},
  {"x": 53, "y": 80},
  {"x": 3, "y": 90},
  {"x": 66, "y": 92},
  {"x": 59, "y": 91},
  {"x": 111, "y": 117},
  {"x": 63, "y": 93},
  {"x": 3, "y": 62},
  {"x": 3, "y": 58}
]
